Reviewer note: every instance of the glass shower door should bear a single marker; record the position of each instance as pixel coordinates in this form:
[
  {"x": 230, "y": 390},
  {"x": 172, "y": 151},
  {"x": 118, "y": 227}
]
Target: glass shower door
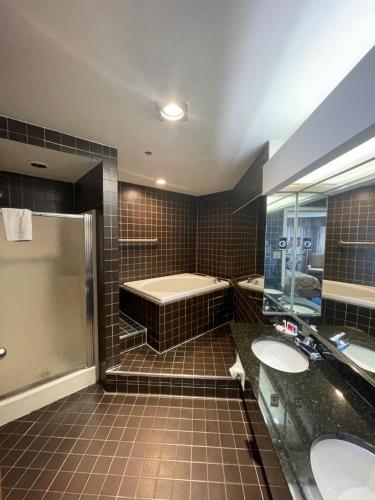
[{"x": 43, "y": 303}]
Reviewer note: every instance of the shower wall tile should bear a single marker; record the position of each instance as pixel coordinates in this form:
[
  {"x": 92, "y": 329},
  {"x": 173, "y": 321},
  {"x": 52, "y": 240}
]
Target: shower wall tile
[
  {"x": 35, "y": 193},
  {"x": 351, "y": 217}
]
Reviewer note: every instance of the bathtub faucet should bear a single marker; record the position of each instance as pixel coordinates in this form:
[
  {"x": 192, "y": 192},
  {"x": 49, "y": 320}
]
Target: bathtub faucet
[{"x": 217, "y": 280}]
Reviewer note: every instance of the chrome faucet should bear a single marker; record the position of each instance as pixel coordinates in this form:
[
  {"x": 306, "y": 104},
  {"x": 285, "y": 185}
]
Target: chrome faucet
[
  {"x": 340, "y": 344},
  {"x": 308, "y": 345}
]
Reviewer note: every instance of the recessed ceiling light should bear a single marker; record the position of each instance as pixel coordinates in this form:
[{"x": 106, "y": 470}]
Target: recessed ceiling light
[
  {"x": 161, "y": 182},
  {"x": 173, "y": 111},
  {"x": 37, "y": 164}
]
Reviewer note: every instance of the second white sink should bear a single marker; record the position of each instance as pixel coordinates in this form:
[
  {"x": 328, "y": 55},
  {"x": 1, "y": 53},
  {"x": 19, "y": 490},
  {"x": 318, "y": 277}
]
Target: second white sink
[
  {"x": 362, "y": 356},
  {"x": 279, "y": 355},
  {"x": 343, "y": 470}
]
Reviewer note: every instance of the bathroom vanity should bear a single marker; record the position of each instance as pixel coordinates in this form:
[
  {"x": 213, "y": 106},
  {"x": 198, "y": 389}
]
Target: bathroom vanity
[{"x": 300, "y": 409}]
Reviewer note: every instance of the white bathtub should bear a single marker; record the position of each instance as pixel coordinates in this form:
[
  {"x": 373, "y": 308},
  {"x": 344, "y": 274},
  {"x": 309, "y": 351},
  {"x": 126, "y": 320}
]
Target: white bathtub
[
  {"x": 176, "y": 287},
  {"x": 359, "y": 295}
]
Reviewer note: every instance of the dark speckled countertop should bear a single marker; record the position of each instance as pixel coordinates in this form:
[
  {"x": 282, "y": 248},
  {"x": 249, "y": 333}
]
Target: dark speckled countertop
[{"x": 300, "y": 407}]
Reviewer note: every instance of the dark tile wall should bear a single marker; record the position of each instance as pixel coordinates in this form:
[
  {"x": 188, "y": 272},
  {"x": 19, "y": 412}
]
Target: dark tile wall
[
  {"x": 16, "y": 130},
  {"x": 171, "y": 324},
  {"x": 250, "y": 185},
  {"x": 351, "y": 217},
  {"x": 36, "y": 193},
  {"x": 96, "y": 190},
  {"x": 153, "y": 213},
  {"x": 229, "y": 245},
  {"x": 340, "y": 313},
  {"x": 174, "y": 386}
]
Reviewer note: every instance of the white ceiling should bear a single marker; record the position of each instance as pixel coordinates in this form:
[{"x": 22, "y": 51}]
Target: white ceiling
[
  {"x": 16, "y": 156},
  {"x": 252, "y": 70}
]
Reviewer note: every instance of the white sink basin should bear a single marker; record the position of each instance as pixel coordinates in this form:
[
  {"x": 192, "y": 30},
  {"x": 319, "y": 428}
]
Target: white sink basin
[
  {"x": 362, "y": 356},
  {"x": 343, "y": 470},
  {"x": 279, "y": 356}
]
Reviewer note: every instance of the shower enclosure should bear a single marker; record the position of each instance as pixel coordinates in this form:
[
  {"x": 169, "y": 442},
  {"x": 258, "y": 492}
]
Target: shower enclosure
[{"x": 46, "y": 302}]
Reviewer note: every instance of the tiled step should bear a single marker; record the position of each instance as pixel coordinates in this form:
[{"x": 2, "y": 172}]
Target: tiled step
[
  {"x": 199, "y": 367},
  {"x": 132, "y": 334}
]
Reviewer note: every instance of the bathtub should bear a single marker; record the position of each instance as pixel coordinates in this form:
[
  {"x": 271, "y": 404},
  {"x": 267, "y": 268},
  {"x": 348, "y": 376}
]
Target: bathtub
[
  {"x": 359, "y": 295},
  {"x": 176, "y": 287}
]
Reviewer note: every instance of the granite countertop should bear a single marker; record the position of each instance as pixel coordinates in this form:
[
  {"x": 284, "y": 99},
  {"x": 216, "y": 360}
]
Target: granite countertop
[{"x": 305, "y": 406}]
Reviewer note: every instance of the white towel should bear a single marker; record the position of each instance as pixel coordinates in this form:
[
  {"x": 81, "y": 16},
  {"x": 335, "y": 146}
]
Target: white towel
[{"x": 17, "y": 224}]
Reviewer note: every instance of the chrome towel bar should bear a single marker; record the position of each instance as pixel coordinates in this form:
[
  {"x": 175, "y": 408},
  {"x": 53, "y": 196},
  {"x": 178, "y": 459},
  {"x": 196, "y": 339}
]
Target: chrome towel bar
[{"x": 342, "y": 243}]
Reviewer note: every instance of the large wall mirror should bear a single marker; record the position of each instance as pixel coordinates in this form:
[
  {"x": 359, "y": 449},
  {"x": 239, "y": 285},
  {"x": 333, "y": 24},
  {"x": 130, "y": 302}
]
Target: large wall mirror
[
  {"x": 294, "y": 253},
  {"x": 320, "y": 254}
]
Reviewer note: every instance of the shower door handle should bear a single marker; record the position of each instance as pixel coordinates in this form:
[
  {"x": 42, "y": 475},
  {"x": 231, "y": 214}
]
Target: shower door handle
[{"x": 3, "y": 352}]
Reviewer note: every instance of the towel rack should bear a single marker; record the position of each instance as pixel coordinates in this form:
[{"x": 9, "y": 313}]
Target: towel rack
[
  {"x": 342, "y": 243},
  {"x": 138, "y": 240}
]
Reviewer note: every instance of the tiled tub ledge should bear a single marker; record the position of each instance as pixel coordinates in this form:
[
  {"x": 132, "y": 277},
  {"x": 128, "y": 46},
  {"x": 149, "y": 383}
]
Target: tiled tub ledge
[{"x": 307, "y": 405}]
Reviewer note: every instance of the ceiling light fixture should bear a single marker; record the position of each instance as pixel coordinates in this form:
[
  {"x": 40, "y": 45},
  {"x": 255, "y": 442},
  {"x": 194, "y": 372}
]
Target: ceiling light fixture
[
  {"x": 172, "y": 111},
  {"x": 161, "y": 182}
]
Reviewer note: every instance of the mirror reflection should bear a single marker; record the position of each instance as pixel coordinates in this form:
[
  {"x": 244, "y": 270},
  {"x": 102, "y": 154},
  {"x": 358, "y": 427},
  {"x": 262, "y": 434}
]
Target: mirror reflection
[
  {"x": 294, "y": 254},
  {"x": 320, "y": 253}
]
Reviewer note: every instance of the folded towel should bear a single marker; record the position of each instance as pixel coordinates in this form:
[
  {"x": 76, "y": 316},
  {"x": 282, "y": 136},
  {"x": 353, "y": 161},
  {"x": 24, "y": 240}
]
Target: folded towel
[{"x": 17, "y": 224}]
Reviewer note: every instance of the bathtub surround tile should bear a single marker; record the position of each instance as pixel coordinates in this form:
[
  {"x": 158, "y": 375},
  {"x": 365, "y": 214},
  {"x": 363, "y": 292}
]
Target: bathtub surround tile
[
  {"x": 229, "y": 245},
  {"x": 136, "y": 445},
  {"x": 131, "y": 333},
  {"x": 172, "y": 324},
  {"x": 340, "y": 313},
  {"x": 351, "y": 217},
  {"x": 153, "y": 213}
]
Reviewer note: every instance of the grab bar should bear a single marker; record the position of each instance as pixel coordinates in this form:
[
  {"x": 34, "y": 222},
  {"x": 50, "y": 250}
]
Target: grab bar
[
  {"x": 342, "y": 243},
  {"x": 138, "y": 240}
]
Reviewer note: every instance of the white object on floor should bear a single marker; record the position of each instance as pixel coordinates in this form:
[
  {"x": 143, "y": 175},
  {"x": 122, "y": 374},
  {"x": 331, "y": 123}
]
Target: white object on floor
[
  {"x": 343, "y": 470},
  {"x": 237, "y": 371},
  {"x": 17, "y": 224},
  {"x": 279, "y": 355}
]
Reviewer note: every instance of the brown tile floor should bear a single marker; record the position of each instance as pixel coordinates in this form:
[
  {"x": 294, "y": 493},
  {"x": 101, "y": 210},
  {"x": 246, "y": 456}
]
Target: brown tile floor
[
  {"x": 209, "y": 355},
  {"x": 93, "y": 445}
]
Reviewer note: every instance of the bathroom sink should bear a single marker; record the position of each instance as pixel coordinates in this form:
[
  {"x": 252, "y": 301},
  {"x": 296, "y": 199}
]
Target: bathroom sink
[
  {"x": 362, "y": 356},
  {"x": 343, "y": 470},
  {"x": 279, "y": 355}
]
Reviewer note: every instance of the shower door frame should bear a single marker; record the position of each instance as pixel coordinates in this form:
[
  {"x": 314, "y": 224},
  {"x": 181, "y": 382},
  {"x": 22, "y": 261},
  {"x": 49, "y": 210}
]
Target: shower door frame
[{"x": 90, "y": 298}]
